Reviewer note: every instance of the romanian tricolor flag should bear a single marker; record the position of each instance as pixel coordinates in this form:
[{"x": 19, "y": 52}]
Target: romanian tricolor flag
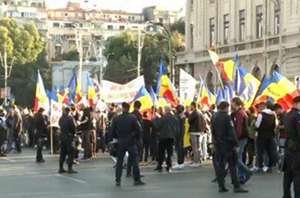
[
  {"x": 227, "y": 68},
  {"x": 279, "y": 89},
  {"x": 78, "y": 92},
  {"x": 92, "y": 95},
  {"x": 145, "y": 99},
  {"x": 41, "y": 98},
  {"x": 72, "y": 87},
  {"x": 206, "y": 97},
  {"x": 224, "y": 94},
  {"x": 63, "y": 96},
  {"x": 165, "y": 87},
  {"x": 246, "y": 86}
]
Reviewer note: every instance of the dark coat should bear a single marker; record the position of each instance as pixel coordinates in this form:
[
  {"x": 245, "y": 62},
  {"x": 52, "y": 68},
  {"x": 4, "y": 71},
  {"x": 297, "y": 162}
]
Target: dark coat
[
  {"x": 67, "y": 127},
  {"x": 167, "y": 126},
  {"x": 126, "y": 129},
  {"x": 222, "y": 129},
  {"x": 41, "y": 125},
  {"x": 197, "y": 122},
  {"x": 292, "y": 125}
]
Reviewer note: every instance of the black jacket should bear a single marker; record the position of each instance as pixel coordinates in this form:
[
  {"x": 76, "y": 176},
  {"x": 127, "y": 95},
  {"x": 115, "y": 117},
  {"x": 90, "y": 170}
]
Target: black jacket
[
  {"x": 222, "y": 129},
  {"x": 126, "y": 129},
  {"x": 67, "y": 127},
  {"x": 167, "y": 126},
  {"x": 196, "y": 122},
  {"x": 292, "y": 125},
  {"x": 40, "y": 123}
]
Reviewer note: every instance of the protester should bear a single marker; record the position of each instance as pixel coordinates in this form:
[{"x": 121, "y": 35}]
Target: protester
[
  {"x": 3, "y": 133},
  {"x": 136, "y": 112},
  {"x": 225, "y": 144},
  {"x": 179, "y": 137},
  {"x": 291, "y": 166},
  {"x": 86, "y": 126},
  {"x": 197, "y": 129},
  {"x": 126, "y": 130},
  {"x": 266, "y": 125},
  {"x": 147, "y": 131},
  {"x": 167, "y": 126},
  {"x": 41, "y": 127},
  {"x": 250, "y": 148},
  {"x": 240, "y": 121},
  {"x": 68, "y": 130}
]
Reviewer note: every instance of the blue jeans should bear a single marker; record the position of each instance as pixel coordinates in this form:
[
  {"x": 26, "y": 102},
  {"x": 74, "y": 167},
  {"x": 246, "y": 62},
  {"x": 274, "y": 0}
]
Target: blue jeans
[{"x": 243, "y": 170}]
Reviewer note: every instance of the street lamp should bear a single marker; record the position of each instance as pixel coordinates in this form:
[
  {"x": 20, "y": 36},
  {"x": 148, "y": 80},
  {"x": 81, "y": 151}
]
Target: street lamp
[
  {"x": 169, "y": 37},
  {"x": 140, "y": 47}
]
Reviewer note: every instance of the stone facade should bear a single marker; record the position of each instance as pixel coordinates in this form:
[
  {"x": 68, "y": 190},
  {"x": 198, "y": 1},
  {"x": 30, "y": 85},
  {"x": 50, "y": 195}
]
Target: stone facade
[{"x": 239, "y": 27}]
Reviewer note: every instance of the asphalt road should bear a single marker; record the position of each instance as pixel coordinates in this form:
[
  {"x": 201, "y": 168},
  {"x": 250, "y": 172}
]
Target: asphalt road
[{"x": 21, "y": 177}]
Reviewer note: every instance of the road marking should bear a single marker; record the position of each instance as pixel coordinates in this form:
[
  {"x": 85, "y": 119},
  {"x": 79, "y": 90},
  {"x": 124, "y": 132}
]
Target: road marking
[{"x": 72, "y": 179}]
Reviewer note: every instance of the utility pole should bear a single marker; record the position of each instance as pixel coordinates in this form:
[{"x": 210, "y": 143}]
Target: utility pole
[
  {"x": 140, "y": 47},
  {"x": 5, "y": 75},
  {"x": 80, "y": 52},
  {"x": 265, "y": 29}
]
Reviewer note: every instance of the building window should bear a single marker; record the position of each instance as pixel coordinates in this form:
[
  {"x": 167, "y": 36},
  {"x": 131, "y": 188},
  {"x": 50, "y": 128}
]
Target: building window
[
  {"x": 55, "y": 24},
  {"x": 66, "y": 14},
  {"x": 226, "y": 28},
  {"x": 122, "y": 27},
  {"x": 212, "y": 32},
  {"x": 277, "y": 20},
  {"x": 192, "y": 36},
  {"x": 242, "y": 25},
  {"x": 259, "y": 21},
  {"x": 110, "y": 27}
]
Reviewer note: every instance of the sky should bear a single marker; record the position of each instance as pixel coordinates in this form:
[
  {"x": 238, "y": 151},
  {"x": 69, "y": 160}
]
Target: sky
[{"x": 127, "y": 5}]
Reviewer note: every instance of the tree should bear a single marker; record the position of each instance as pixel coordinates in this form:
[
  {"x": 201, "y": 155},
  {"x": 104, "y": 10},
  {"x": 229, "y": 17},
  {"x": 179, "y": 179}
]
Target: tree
[
  {"x": 121, "y": 53},
  {"x": 179, "y": 26},
  {"x": 23, "y": 43},
  {"x": 23, "y": 46}
]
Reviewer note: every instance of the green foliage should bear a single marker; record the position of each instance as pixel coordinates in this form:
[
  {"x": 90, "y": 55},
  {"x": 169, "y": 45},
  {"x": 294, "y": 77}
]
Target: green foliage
[
  {"x": 121, "y": 53},
  {"x": 72, "y": 55},
  {"x": 179, "y": 26},
  {"x": 25, "y": 46},
  {"x": 23, "y": 43}
]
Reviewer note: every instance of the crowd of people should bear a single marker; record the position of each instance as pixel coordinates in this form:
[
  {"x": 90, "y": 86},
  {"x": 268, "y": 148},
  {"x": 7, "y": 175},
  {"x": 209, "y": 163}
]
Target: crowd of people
[{"x": 237, "y": 140}]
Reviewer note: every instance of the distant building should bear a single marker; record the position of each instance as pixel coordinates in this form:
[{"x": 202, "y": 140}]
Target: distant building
[
  {"x": 24, "y": 11},
  {"x": 94, "y": 26},
  {"x": 158, "y": 15},
  {"x": 261, "y": 32},
  {"x": 62, "y": 72}
]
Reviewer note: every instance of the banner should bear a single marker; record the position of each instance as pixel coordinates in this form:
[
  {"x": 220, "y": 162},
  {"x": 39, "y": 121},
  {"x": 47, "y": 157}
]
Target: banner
[
  {"x": 187, "y": 86},
  {"x": 116, "y": 93}
]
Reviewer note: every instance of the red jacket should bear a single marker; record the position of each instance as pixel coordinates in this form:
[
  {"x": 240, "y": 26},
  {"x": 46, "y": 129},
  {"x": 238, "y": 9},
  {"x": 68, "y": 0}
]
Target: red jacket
[{"x": 240, "y": 121}]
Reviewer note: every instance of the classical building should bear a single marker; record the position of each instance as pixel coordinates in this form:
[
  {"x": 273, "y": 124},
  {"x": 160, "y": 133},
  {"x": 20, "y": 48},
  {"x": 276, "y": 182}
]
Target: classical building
[
  {"x": 24, "y": 11},
  {"x": 261, "y": 32},
  {"x": 93, "y": 25},
  {"x": 159, "y": 15}
]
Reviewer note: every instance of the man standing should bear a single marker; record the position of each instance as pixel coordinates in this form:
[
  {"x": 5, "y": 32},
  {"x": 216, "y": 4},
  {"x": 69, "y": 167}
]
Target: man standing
[
  {"x": 240, "y": 121},
  {"x": 126, "y": 130},
  {"x": 291, "y": 165},
  {"x": 41, "y": 133},
  {"x": 17, "y": 128},
  {"x": 86, "y": 126},
  {"x": 179, "y": 137},
  {"x": 68, "y": 129},
  {"x": 225, "y": 144},
  {"x": 136, "y": 112},
  {"x": 266, "y": 125},
  {"x": 167, "y": 126},
  {"x": 197, "y": 128}
]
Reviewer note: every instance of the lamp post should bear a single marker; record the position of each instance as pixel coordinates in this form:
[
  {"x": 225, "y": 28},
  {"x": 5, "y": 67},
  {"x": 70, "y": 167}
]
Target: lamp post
[{"x": 169, "y": 37}]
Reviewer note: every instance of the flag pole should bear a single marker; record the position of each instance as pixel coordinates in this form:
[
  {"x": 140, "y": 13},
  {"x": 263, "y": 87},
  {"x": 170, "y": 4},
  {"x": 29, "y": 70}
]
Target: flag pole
[{"x": 256, "y": 94}]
